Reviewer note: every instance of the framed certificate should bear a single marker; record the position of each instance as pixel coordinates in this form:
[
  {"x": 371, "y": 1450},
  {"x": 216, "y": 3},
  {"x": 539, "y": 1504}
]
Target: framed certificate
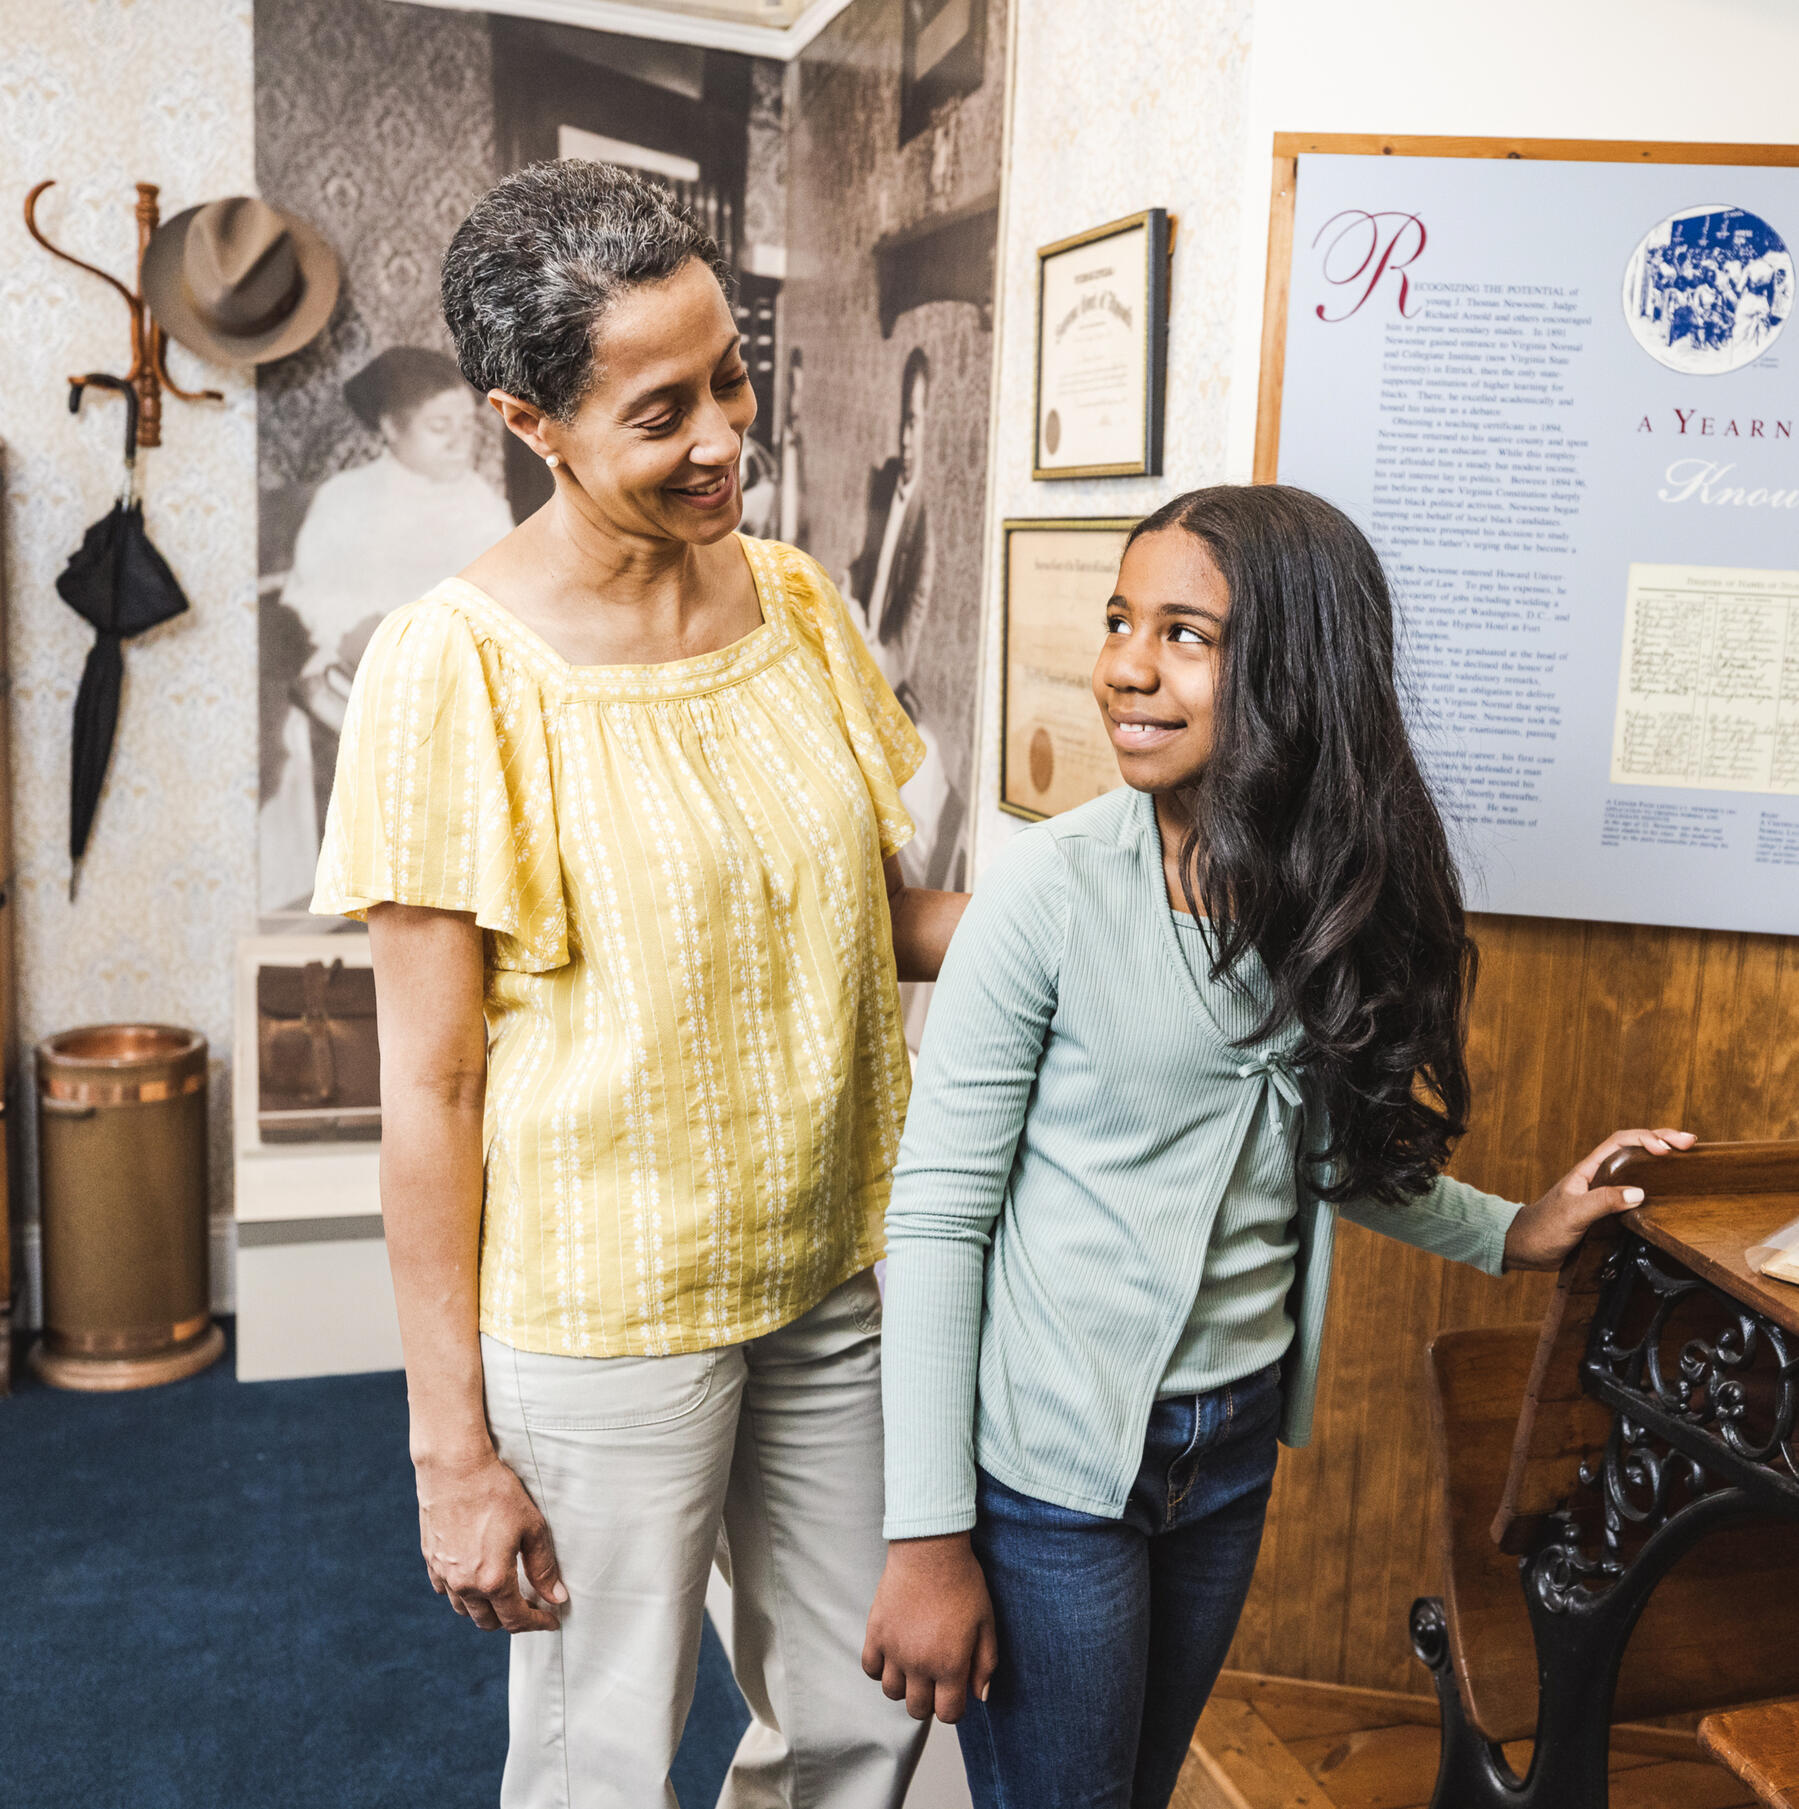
[
  {"x": 1102, "y": 343},
  {"x": 1054, "y": 753}
]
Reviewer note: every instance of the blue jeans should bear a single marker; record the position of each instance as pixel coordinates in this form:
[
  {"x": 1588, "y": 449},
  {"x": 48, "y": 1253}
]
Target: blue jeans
[{"x": 1112, "y": 1632}]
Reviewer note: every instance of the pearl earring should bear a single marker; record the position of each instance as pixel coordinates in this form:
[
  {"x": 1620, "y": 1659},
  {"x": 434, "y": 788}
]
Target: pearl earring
[{"x": 552, "y": 459}]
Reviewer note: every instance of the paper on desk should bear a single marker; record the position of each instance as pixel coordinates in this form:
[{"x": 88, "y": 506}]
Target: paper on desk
[{"x": 1779, "y": 1256}]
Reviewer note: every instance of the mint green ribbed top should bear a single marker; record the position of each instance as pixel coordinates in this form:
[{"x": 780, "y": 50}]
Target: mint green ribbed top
[
  {"x": 1239, "y": 1322},
  {"x": 1097, "y": 1199}
]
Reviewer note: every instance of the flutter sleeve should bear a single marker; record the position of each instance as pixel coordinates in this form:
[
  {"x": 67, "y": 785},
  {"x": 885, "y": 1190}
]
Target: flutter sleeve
[
  {"x": 886, "y": 745},
  {"x": 443, "y": 795}
]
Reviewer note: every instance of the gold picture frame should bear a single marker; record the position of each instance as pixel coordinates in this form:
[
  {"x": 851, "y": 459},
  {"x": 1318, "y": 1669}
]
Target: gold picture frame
[
  {"x": 1102, "y": 326},
  {"x": 1056, "y": 575}
]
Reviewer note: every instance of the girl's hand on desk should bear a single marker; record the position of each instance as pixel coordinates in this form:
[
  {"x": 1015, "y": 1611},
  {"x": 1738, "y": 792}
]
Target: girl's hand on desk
[
  {"x": 1543, "y": 1235},
  {"x": 930, "y": 1633}
]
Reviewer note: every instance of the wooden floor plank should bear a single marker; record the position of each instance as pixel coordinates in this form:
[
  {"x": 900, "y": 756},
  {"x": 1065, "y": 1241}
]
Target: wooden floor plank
[
  {"x": 1255, "y": 1761},
  {"x": 1517, "y": 1755},
  {"x": 1376, "y": 1768},
  {"x": 1298, "y": 1710},
  {"x": 1204, "y": 1784},
  {"x": 1396, "y": 1768},
  {"x": 1285, "y": 1743},
  {"x": 1679, "y": 1784}
]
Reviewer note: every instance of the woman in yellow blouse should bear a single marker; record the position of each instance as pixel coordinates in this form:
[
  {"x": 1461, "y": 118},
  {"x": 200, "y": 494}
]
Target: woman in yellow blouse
[{"x": 621, "y": 806}]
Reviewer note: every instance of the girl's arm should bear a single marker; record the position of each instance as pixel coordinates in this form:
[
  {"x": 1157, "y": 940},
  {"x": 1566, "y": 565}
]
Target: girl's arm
[
  {"x": 930, "y": 1635},
  {"x": 475, "y": 1519},
  {"x": 1466, "y": 1225},
  {"x": 923, "y": 923}
]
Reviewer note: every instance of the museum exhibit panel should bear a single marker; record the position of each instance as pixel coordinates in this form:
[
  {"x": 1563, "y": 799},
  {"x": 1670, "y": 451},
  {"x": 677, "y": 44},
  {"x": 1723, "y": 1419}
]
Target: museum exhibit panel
[{"x": 1511, "y": 292}]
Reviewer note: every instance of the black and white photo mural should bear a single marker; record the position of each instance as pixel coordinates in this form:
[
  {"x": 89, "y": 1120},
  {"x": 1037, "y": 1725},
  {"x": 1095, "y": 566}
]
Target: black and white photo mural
[
  {"x": 894, "y": 117},
  {"x": 381, "y": 472},
  {"x": 855, "y": 194}
]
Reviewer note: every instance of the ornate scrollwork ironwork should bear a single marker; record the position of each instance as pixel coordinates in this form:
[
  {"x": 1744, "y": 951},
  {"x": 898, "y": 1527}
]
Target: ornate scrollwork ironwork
[
  {"x": 1735, "y": 1384},
  {"x": 1696, "y": 1411},
  {"x": 1563, "y": 1576}
]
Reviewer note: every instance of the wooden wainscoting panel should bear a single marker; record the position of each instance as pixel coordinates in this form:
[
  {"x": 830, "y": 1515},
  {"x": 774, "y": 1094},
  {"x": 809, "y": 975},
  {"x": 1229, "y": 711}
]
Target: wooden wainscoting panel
[{"x": 1577, "y": 1029}]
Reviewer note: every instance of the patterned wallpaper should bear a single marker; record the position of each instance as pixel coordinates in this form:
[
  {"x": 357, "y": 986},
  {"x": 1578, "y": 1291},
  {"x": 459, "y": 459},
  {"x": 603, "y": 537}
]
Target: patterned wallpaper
[
  {"x": 100, "y": 94},
  {"x": 374, "y": 122},
  {"x": 1159, "y": 120}
]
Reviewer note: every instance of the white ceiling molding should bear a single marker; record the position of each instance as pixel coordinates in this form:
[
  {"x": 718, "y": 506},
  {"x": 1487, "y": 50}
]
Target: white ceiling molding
[{"x": 722, "y": 25}]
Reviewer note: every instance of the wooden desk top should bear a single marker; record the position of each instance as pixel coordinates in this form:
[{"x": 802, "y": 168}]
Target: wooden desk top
[
  {"x": 1761, "y": 1745},
  {"x": 1709, "y": 1237}
]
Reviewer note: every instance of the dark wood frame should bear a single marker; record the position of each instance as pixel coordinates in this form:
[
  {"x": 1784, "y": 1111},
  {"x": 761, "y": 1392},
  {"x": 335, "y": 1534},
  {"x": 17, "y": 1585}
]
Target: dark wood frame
[
  {"x": 1289, "y": 147},
  {"x": 1096, "y": 524},
  {"x": 1161, "y": 226}
]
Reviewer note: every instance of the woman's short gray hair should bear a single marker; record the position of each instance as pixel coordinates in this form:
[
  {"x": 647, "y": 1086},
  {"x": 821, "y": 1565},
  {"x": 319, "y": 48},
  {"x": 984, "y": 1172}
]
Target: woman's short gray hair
[{"x": 540, "y": 259}]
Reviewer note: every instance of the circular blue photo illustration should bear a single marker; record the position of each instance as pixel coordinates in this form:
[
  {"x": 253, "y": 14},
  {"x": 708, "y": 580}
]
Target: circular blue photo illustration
[{"x": 1708, "y": 290}]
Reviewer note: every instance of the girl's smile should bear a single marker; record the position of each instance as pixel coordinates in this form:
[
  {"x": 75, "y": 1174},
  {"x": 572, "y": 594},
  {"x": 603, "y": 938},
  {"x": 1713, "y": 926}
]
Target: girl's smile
[{"x": 1135, "y": 734}]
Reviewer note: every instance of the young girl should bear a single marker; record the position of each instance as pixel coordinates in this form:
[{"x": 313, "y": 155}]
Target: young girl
[{"x": 1180, "y": 1029}]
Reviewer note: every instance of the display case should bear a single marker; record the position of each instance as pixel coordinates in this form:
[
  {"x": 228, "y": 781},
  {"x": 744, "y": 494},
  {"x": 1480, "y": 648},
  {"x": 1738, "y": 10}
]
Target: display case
[{"x": 313, "y": 1292}]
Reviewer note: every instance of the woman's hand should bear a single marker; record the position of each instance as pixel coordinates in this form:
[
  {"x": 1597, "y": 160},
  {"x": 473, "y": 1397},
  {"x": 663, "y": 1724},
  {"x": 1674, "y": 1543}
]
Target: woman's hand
[
  {"x": 475, "y": 1523},
  {"x": 930, "y": 1632},
  {"x": 1541, "y": 1236}
]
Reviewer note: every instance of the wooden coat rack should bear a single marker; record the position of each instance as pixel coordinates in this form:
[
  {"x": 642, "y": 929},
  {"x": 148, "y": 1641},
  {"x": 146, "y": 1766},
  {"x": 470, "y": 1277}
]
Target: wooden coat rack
[{"x": 149, "y": 372}]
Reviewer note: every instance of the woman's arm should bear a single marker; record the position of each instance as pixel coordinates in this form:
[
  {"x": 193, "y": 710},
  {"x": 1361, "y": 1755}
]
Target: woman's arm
[
  {"x": 930, "y": 1633},
  {"x": 475, "y": 1519},
  {"x": 923, "y": 923}
]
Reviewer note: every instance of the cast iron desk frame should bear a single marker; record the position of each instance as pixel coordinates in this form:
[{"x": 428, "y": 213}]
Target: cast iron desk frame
[{"x": 1684, "y": 1457}]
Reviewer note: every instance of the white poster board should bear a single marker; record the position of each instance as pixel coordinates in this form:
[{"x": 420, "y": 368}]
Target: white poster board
[{"x": 1562, "y": 398}]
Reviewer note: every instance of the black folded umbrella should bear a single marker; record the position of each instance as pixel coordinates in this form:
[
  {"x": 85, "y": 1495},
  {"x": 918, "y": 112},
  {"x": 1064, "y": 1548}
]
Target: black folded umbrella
[{"x": 123, "y": 585}]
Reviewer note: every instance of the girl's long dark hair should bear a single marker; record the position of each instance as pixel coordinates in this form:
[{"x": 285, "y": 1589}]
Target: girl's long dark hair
[{"x": 1313, "y": 838}]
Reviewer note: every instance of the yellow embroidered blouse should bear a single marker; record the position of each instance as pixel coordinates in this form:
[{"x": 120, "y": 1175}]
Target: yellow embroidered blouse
[{"x": 696, "y": 1075}]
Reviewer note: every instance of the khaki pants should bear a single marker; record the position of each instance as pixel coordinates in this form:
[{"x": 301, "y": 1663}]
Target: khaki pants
[{"x": 765, "y": 1455}]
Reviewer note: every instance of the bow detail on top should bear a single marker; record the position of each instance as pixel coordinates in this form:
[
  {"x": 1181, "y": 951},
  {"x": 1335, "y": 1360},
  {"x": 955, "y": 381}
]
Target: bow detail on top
[{"x": 1280, "y": 1073}]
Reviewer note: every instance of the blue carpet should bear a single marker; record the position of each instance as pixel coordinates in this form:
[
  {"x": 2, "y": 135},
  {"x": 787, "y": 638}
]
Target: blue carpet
[{"x": 212, "y": 1598}]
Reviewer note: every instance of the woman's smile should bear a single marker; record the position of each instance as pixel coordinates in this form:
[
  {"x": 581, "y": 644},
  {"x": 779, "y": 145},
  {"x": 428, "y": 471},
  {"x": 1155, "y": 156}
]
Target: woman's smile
[{"x": 709, "y": 493}]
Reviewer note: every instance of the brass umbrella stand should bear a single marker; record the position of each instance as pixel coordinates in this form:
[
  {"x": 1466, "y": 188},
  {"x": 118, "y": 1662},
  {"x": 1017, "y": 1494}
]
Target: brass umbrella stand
[{"x": 122, "y": 1154}]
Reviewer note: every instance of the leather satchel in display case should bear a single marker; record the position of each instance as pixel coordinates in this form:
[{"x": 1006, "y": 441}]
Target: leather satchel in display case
[
  {"x": 314, "y": 1296},
  {"x": 318, "y": 1066}
]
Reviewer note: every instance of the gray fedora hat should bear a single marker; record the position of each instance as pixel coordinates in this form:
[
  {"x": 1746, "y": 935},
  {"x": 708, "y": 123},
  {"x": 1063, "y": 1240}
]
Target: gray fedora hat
[{"x": 239, "y": 281}]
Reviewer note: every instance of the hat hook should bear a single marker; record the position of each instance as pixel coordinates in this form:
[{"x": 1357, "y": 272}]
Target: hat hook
[{"x": 149, "y": 373}]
